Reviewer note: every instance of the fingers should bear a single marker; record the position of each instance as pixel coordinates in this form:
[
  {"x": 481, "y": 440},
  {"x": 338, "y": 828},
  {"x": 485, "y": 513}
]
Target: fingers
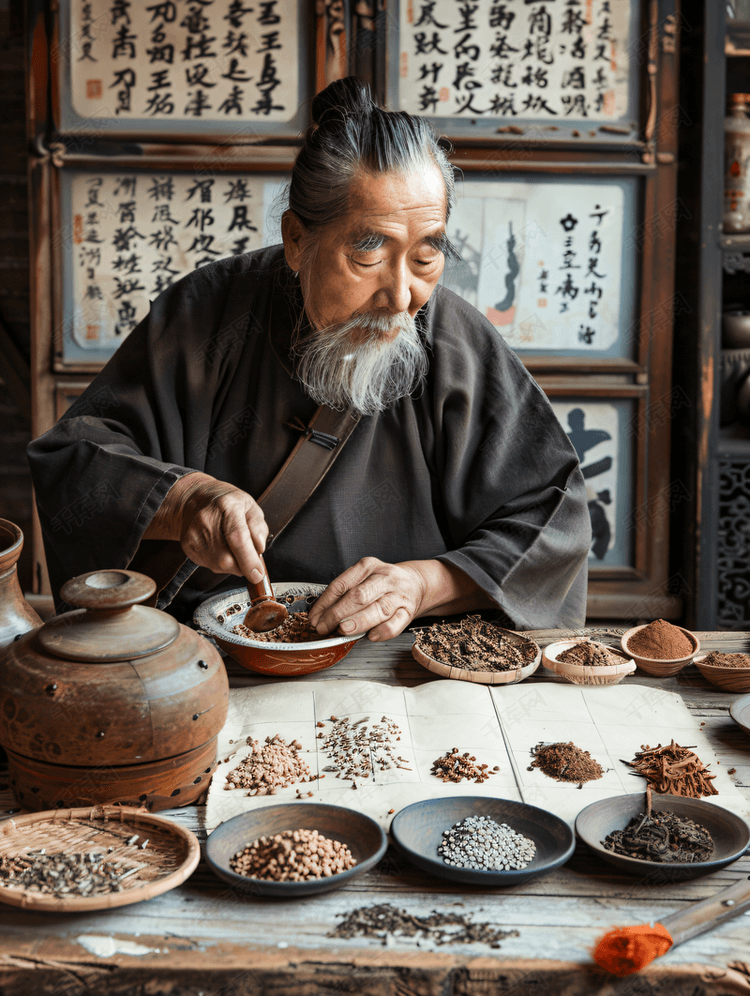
[
  {"x": 225, "y": 530},
  {"x": 374, "y": 597}
]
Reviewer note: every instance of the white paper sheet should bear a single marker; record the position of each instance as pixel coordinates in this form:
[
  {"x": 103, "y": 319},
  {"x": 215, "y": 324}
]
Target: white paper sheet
[{"x": 499, "y": 725}]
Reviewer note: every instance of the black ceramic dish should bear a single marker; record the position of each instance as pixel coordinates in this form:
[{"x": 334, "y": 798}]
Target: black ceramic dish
[
  {"x": 730, "y": 832},
  {"x": 740, "y": 713},
  {"x": 362, "y": 835},
  {"x": 418, "y": 831}
]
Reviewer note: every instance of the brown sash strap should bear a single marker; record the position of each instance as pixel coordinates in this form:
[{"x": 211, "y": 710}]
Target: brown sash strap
[{"x": 303, "y": 470}]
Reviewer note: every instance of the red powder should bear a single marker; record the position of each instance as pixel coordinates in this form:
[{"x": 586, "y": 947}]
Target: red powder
[
  {"x": 625, "y": 950},
  {"x": 661, "y": 641}
]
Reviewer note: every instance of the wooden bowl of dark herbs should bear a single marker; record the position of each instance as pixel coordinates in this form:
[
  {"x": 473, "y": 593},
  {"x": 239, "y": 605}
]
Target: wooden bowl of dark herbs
[
  {"x": 663, "y": 838},
  {"x": 474, "y": 649}
]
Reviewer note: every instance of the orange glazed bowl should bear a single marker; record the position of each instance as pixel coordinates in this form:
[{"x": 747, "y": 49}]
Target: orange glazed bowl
[{"x": 217, "y": 617}]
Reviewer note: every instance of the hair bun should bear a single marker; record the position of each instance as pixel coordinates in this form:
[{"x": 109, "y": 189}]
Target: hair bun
[{"x": 347, "y": 96}]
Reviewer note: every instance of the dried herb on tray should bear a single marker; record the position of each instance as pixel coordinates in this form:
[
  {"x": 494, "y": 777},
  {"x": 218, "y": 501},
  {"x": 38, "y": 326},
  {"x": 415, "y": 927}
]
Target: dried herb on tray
[
  {"x": 673, "y": 770},
  {"x": 63, "y": 875},
  {"x": 475, "y": 645},
  {"x": 661, "y": 836},
  {"x": 566, "y": 763},
  {"x": 589, "y": 655},
  {"x": 384, "y": 920}
]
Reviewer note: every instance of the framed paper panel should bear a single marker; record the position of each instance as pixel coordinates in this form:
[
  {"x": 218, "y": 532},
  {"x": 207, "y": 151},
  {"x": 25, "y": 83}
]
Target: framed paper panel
[
  {"x": 184, "y": 67},
  {"x": 125, "y": 236},
  {"x": 540, "y": 71},
  {"x": 551, "y": 262},
  {"x": 604, "y": 432}
]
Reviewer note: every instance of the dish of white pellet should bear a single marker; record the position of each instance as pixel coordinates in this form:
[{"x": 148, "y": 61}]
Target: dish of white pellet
[{"x": 418, "y": 831}]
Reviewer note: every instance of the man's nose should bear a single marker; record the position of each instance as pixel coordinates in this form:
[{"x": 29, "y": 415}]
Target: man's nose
[{"x": 395, "y": 294}]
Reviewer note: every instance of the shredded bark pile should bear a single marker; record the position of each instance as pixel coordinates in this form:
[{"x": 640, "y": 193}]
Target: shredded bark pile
[
  {"x": 566, "y": 763},
  {"x": 674, "y": 770},
  {"x": 662, "y": 837},
  {"x": 589, "y": 655},
  {"x": 475, "y": 645}
]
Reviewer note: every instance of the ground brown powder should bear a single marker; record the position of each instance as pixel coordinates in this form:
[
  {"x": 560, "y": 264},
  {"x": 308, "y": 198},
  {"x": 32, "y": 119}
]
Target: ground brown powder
[
  {"x": 661, "y": 641},
  {"x": 296, "y": 628}
]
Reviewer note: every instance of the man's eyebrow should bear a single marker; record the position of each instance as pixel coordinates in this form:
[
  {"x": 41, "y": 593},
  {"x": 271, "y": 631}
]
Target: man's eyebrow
[
  {"x": 444, "y": 245},
  {"x": 367, "y": 241}
]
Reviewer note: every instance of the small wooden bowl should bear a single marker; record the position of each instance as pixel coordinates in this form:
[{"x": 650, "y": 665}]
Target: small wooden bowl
[
  {"x": 362, "y": 835},
  {"x": 278, "y": 659},
  {"x": 731, "y": 834},
  {"x": 730, "y": 679},
  {"x": 482, "y": 677},
  {"x": 660, "y": 668},
  {"x": 583, "y": 674}
]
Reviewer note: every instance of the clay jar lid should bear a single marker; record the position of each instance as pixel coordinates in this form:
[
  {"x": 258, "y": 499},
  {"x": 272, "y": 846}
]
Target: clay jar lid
[{"x": 108, "y": 624}]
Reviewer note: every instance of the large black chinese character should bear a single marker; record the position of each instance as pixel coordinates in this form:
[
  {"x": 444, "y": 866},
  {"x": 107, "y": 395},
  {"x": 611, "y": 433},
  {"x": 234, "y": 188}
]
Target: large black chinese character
[{"x": 124, "y": 43}]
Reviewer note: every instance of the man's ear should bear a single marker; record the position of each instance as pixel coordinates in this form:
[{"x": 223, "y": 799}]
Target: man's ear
[{"x": 292, "y": 234}]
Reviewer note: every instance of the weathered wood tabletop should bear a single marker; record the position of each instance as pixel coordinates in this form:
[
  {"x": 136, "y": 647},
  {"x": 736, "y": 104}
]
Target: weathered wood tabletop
[{"x": 204, "y": 938}]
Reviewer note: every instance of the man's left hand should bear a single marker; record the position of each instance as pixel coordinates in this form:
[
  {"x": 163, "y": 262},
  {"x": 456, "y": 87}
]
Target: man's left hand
[{"x": 373, "y": 597}]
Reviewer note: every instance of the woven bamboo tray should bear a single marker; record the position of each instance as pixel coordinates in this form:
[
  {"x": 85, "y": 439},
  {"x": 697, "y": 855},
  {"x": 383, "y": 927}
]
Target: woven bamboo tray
[{"x": 168, "y": 858}]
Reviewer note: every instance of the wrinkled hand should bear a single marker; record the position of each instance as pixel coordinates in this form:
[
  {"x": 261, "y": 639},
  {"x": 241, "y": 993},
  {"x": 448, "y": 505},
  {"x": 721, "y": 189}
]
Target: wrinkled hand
[
  {"x": 372, "y": 596},
  {"x": 222, "y": 528}
]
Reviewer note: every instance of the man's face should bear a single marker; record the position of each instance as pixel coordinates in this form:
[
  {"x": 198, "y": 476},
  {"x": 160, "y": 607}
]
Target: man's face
[{"x": 383, "y": 258}]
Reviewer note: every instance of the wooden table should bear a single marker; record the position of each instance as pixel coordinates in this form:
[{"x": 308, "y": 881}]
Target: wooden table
[{"x": 202, "y": 938}]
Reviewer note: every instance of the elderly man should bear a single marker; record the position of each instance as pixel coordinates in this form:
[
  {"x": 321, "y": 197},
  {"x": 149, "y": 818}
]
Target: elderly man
[{"x": 456, "y": 490}]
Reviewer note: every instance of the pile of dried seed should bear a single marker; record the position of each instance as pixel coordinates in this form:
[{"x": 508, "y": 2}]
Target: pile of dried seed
[
  {"x": 475, "y": 645},
  {"x": 566, "y": 763},
  {"x": 589, "y": 655},
  {"x": 674, "y": 770},
  {"x": 358, "y": 751},
  {"x": 384, "y": 921},
  {"x": 63, "y": 874},
  {"x": 292, "y": 856},
  {"x": 481, "y": 843},
  {"x": 717, "y": 659},
  {"x": 662, "y": 837},
  {"x": 296, "y": 628},
  {"x": 454, "y": 767},
  {"x": 270, "y": 766}
]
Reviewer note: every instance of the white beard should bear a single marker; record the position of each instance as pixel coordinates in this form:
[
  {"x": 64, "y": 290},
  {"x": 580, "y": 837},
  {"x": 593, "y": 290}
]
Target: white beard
[{"x": 350, "y": 365}]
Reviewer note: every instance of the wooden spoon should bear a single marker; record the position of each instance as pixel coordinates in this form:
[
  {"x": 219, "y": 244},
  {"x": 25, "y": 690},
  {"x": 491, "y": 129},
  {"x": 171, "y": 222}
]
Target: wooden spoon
[{"x": 265, "y": 612}]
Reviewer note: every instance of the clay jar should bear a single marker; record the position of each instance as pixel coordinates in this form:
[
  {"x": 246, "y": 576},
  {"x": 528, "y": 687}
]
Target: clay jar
[
  {"x": 16, "y": 615},
  {"x": 114, "y": 702}
]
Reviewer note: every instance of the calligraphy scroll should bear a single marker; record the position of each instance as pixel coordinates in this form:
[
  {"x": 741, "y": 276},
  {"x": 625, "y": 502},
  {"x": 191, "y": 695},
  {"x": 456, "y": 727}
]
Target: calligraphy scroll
[
  {"x": 127, "y": 236},
  {"x": 550, "y": 263},
  {"x": 542, "y": 61},
  {"x": 190, "y": 66},
  {"x": 599, "y": 432}
]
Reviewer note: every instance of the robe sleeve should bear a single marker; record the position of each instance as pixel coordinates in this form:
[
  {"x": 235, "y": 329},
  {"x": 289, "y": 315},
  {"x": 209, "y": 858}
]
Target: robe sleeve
[
  {"x": 102, "y": 472},
  {"x": 512, "y": 493}
]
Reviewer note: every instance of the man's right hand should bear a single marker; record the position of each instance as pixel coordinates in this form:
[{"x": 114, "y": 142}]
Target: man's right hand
[{"x": 218, "y": 525}]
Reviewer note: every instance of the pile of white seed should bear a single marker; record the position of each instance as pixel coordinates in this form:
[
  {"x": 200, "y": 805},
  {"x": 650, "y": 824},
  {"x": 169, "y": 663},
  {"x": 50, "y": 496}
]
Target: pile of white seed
[
  {"x": 479, "y": 842},
  {"x": 270, "y": 766},
  {"x": 292, "y": 856},
  {"x": 358, "y": 751}
]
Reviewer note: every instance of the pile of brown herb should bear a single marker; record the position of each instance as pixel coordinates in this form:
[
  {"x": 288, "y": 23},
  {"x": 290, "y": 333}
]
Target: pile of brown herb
[
  {"x": 566, "y": 763},
  {"x": 661, "y": 836},
  {"x": 383, "y": 920},
  {"x": 673, "y": 770},
  {"x": 270, "y": 766},
  {"x": 296, "y": 628},
  {"x": 717, "y": 659},
  {"x": 660, "y": 641},
  {"x": 589, "y": 655},
  {"x": 475, "y": 645},
  {"x": 454, "y": 767}
]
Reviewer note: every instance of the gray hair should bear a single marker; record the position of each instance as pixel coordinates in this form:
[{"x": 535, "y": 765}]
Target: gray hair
[{"x": 350, "y": 133}]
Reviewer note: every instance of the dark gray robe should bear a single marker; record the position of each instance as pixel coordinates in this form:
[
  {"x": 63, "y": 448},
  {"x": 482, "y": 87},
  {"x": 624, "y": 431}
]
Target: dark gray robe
[{"x": 473, "y": 469}]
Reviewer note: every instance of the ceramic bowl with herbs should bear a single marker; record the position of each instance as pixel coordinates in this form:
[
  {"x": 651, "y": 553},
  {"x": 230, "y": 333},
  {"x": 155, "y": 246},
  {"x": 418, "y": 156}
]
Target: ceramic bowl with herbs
[
  {"x": 728, "y": 671},
  {"x": 221, "y": 619},
  {"x": 587, "y": 662},
  {"x": 659, "y": 648},
  {"x": 474, "y": 649}
]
